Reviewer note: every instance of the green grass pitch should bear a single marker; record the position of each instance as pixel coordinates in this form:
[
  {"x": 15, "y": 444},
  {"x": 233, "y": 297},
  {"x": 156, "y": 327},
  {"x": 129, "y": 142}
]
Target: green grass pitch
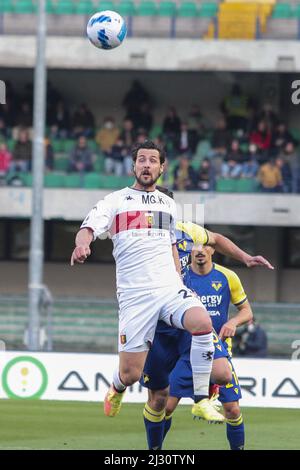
[{"x": 30, "y": 424}]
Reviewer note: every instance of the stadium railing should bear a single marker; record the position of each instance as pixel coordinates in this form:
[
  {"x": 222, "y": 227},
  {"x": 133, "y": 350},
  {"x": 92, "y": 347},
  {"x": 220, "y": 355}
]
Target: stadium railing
[{"x": 92, "y": 324}]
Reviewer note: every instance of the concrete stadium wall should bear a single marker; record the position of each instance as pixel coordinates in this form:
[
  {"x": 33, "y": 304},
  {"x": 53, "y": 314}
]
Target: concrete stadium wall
[
  {"x": 245, "y": 209},
  {"x": 156, "y": 54}
]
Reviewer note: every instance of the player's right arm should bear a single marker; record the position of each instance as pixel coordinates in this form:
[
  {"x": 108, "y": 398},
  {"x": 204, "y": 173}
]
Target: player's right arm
[
  {"x": 97, "y": 222},
  {"x": 82, "y": 249}
]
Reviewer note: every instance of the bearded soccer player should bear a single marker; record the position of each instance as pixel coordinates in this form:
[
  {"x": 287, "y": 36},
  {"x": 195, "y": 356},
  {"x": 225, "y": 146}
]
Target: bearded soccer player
[
  {"x": 170, "y": 346},
  {"x": 141, "y": 222}
]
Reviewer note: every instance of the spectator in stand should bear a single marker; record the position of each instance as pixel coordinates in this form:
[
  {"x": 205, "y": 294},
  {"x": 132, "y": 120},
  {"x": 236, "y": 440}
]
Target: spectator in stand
[
  {"x": 22, "y": 152},
  {"x": 133, "y": 100},
  {"x": 107, "y": 136},
  {"x": 253, "y": 341},
  {"x": 195, "y": 123},
  {"x": 8, "y": 117},
  {"x": 128, "y": 134},
  {"x": 184, "y": 175},
  {"x": 251, "y": 165},
  {"x": 280, "y": 138},
  {"x": 114, "y": 161},
  {"x": 221, "y": 138},
  {"x": 4, "y": 133},
  {"x": 24, "y": 117},
  {"x": 49, "y": 155},
  {"x": 236, "y": 108},
  {"x": 286, "y": 174},
  {"x": 144, "y": 120},
  {"x": 5, "y": 159},
  {"x": 268, "y": 115},
  {"x": 270, "y": 177},
  {"x": 185, "y": 141},
  {"x": 81, "y": 157},
  {"x": 171, "y": 127},
  {"x": 232, "y": 166},
  {"x": 291, "y": 156},
  {"x": 141, "y": 137},
  {"x": 205, "y": 177},
  {"x": 59, "y": 121},
  {"x": 83, "y": 122},
  {"x": 261, "y": 137}
]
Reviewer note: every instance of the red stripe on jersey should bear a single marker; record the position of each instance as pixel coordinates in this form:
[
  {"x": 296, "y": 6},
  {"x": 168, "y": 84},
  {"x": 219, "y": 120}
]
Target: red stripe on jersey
[{"x": 133, "y": 220}]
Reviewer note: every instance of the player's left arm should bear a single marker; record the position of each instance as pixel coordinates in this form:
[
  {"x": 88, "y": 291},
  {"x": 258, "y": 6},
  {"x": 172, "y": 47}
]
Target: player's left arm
[
  {"x": 176, "y": 259},
  {"x": 226, "y": 247},
  {"x": 243, "y": 316}
]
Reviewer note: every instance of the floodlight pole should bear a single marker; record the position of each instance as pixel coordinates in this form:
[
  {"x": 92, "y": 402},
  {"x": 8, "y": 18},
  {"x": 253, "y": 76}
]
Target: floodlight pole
[{"x": 36, "y": 256}]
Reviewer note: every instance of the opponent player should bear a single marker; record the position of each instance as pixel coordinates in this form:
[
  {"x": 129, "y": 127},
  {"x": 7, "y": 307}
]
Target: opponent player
[
  {"x": 169, "y": 345},
  {"x": 141, "y": 222},
  {"x": 217, "y": 287}
]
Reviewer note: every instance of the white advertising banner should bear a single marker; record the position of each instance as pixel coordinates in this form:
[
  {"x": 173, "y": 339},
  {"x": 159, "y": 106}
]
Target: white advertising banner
[{"x": 86, "y": 377}]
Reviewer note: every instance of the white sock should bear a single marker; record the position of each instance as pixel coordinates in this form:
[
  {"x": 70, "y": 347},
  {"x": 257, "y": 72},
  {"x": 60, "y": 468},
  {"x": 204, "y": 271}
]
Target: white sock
[
  {"x": 201, "y": 357},
  {"x": 119, "y": 386}
]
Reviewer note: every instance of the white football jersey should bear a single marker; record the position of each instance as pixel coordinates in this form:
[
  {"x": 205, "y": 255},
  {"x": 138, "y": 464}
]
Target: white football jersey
[{"x": 142, "y": 227}]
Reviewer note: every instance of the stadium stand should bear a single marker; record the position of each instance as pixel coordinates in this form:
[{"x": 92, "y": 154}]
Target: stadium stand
[
  {"x": 230, "y": 19},
  {"x": 91, "y": 324}
]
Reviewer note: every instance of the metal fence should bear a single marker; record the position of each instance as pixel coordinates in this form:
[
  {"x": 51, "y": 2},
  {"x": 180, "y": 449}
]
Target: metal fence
[{"x": 91, "y": 325}]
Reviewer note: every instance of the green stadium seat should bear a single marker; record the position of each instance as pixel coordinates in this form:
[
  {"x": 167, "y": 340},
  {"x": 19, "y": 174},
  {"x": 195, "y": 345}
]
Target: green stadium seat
[
  {"x": 105, "y": 5},
  {"x": 50, "y": 7},
  {"x": 296, "y": 12},
  {"x": 208, "y": 10},
  {"x": 61, "y": 164},
  {"x": 99, "y": 164},
  {"x": 155, "y": 131},
  {"x": 54, "y": 180},
  {"x": 25, "y": 6},
  {"x": 94, "y": 180},
  {"x": 6, "y": 6},
  {"x": 92, "y": 145},
  {"x": 187, "y": 10},
  {"x": 246, "y": 186},
  {"x": 85, "y": 7},
  {"x": 57, "y": 145},
  {"x": 10, "y": 144},
  {"x": 64, "y": 7},
  {"x": 147, "y": 8},
  {"x": 282, "y": 11},
  {"x": 166, "y": 9},
  {"x": 126, "y": 8},
  {"x": 227, "y": 185},
  {"x": 73, "y": 180},
  {"x": 294, "y": 130},
  {"x": 112, "y": 182},
  {"x": 68, "y": 145}
]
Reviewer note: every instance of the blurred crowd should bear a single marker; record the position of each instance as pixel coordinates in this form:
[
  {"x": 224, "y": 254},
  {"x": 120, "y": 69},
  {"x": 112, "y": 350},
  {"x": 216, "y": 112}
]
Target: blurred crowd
[{"x": 246, "y": 142}]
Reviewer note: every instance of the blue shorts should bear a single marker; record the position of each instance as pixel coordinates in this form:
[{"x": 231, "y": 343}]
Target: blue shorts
[{"x": 168, "y": 363}]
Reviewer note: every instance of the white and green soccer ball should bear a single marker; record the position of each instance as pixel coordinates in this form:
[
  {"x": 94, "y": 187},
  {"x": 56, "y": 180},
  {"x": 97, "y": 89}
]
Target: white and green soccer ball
[{"x": 106, "y": 29}]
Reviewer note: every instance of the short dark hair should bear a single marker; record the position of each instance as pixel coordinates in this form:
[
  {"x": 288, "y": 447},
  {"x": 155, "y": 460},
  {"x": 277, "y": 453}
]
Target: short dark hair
[
  {"x": 165, "y": 191},
  {"x": 149, "y": 144}
]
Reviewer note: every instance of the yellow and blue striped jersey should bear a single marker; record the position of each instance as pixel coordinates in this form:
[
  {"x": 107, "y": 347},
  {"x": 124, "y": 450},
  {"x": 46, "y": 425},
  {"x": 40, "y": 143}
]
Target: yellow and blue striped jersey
[
  {"x": 187, "y": 235},
  {"x": 217, "y": 290}
]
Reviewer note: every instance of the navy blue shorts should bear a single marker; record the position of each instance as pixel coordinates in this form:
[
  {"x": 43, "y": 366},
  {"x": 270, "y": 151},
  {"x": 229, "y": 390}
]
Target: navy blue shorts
[{"x": 168, "y": 363}]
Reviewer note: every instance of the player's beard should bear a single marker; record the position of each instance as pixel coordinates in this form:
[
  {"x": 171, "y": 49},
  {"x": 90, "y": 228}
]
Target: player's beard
[{"x": 147, "y": 183}]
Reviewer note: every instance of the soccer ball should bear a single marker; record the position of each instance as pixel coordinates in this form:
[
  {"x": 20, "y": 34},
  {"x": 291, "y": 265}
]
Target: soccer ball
[{"x": 106, "y": 29}]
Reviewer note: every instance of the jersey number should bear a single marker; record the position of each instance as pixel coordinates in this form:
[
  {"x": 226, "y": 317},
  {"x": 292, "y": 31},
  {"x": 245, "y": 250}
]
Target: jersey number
[{"x": 185, "y": 293}]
